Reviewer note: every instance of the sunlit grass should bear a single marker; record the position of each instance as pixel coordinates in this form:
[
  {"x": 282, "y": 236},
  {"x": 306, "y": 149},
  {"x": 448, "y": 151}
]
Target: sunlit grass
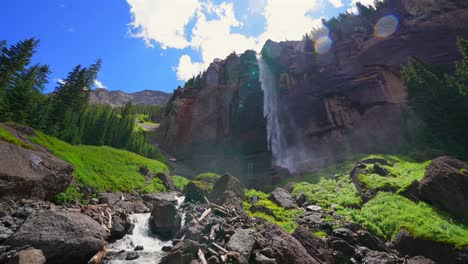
[
  {"x": 285, "y": 218},
  {"x": 10, "y": 138},
  {"x": 104, "y": 168}
]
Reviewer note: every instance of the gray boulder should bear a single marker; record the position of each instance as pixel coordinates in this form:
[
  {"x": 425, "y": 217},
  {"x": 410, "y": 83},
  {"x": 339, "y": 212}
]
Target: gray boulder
[
  {"x": 182, "y": 253},
  {"x": 283, "y": 198},
  {"x": 31, "y": 174},
  {"x": 242, "y": 241},
  {"x": 64, "y": 237}
]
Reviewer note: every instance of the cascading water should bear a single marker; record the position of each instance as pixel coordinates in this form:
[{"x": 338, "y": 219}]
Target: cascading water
[
  {"x": 141, "y": 236},
  {"x": 291, "y": 154},
  {"x": 270, "y": 110}
]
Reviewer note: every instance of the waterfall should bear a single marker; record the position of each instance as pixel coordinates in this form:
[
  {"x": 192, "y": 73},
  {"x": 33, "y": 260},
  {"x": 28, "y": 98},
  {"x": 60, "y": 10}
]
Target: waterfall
[
  {"x": 270, "y": 111},
  {"x": 289, "y": 154}
]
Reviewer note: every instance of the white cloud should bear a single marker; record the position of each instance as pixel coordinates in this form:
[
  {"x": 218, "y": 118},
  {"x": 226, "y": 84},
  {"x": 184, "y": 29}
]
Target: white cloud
[
  {"x": 59, "y": 81},
  {"x": 162, "y": 21},
  {"x": 353, "y": 9},
  {"x": 336, "y": 3},
  {"x": 99, "y": 85},
  {"x": 165, "y": 22}
]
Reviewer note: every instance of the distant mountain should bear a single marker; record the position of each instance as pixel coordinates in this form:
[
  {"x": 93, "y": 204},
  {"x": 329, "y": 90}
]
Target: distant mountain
[{"x": 119, "y": 98}]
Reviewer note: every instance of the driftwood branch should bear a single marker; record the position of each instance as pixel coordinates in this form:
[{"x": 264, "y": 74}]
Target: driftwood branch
[
  {"x": 201, "y": 257},
  {"x": 205, "y": 214}
]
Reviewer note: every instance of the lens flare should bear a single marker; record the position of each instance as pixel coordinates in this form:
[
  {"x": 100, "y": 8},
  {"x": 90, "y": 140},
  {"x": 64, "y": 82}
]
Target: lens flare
[
  {"x": 386, "y": 26},
  {"x": 323, "y": 44}
]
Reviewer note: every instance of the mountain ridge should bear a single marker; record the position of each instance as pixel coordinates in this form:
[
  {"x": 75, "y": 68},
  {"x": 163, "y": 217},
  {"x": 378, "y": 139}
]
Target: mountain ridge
[{"x": 119, "y": 98}]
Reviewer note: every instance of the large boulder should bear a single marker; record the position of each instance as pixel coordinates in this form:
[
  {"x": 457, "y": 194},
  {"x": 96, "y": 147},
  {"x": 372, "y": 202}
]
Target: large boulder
[
  {"x": 194, "y": 193},
  {"x": 183, "y": 253},
  {"x": 228, "y": 191},
  {"x": 286, "y": 248},
  {"x": 406, "y": 244},
  {"x": 165, "y": 220},
  {"x": 283, "y": 198},
  {"x": 152, "y": 198},
  {"x": 35, "y": 174},
  {"x": 64, "y": 237},
  {"x": 242, "y": 241},
  {"x": 445, "y": 185}
]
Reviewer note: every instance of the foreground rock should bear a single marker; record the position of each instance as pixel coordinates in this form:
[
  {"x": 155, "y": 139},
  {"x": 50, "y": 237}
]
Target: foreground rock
[
  {"x": 406, "y": 244},
  {"x": 27, "y": 173},
  {"x": 286, "y": 249},
  {"x": 165, "y": 220},
  {"x": 64, "y": 237},
  {"x": 228, "y": 191},
  {"x": 184, "y": 252},
  {"x": 23, "y": 256},
  {"x": 445, "y": 185}
]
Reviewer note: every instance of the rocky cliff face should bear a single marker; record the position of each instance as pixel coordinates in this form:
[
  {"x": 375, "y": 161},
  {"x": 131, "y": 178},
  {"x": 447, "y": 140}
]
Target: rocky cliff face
[
  {"x": 348, "y": 100},
  {"x": 119, "y": 98},
  {"x": 217, "y": 123}
]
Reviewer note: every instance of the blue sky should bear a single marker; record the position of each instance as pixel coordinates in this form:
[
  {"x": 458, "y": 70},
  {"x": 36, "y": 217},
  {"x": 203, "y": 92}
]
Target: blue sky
[{"x": 154, "y": 44}]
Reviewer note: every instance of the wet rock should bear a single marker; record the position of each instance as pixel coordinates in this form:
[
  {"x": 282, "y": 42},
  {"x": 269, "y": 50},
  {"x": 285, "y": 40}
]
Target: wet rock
[
  {"x": 283, "y": 198},
  {"x": 182, "y": 253},
  {"x": 286, "y": 248},
  {"x": 376, "y": 257},
  {"x": 132, "y": 256},
  {"x": 36, "y": 174},
  {"x": 228, "y": 191},
  {"x": 444, "y": 185},
  {"x": 315, "y": 246},
  {"x": 165, "y": 220},
  {"x": 64, "y": 237},
  {"x": 138, "y": 248},
  {"x": 121, "y": 226},
  {"x": 242, "y": 241},
  {"x": 151, "y": 198},
  {"x": 194, "y": 193},
  {"x": 406, "y": 244}
]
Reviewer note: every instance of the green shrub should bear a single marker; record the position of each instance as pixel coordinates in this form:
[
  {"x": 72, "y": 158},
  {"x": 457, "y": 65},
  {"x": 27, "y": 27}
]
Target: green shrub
[{"x": 156, "y": 185}]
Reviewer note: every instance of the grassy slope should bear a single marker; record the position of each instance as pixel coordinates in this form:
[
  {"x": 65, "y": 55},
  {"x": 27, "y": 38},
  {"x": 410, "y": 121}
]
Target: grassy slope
[
  {"x": 387, "y": 213},
  {"x": 10, "y": 138},
  {"x": 104, "y": 168}
]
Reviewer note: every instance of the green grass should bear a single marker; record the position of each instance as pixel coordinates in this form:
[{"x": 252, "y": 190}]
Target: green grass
[
  {"x": 207, "y": 180},
  {"x": 102, "y": 167},
  {"x": 285, "y": 218},
  {"x": 180, "y": 182},
  {"x": 10, "y": 138},
  {"x": 387, "y": 213},
  {"x": 328, "y": 192},
  {"x": 402, "y": 173},
  {"x": 156, "y": 185}
]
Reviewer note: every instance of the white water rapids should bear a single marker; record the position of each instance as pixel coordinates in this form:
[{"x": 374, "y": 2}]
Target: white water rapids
[{"x": 141, "y": 236}]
